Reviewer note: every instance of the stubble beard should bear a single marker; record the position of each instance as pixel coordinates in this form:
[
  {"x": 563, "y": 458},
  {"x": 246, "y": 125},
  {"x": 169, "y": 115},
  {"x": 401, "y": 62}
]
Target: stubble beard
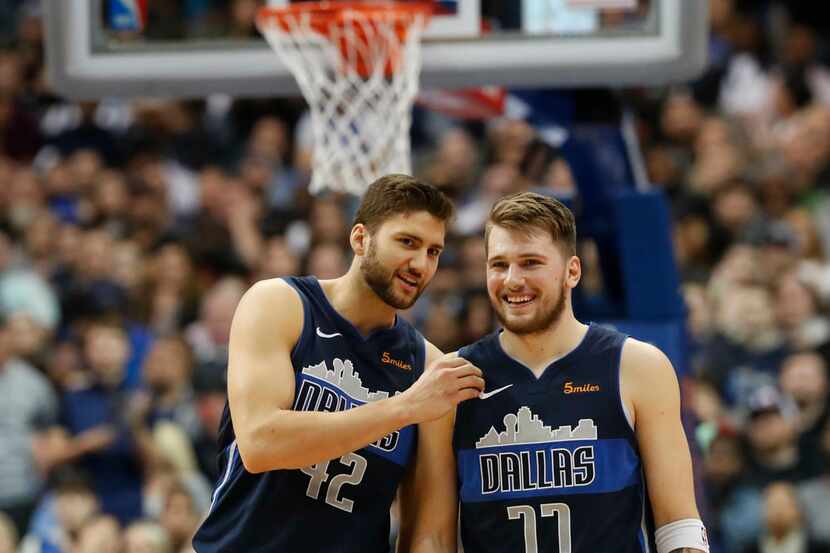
[
  {"x": 381, "y": 280},
  {"x": 541, "y": 322}
]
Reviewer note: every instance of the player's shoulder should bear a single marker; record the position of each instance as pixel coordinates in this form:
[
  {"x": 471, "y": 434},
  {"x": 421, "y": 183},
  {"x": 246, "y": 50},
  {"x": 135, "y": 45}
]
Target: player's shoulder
[
  {"x": 271, "y": 303},
  {"x": 644, "y": 363},
  {"x": 481, "y": 348},
  {"x": 272, "y": 291}
]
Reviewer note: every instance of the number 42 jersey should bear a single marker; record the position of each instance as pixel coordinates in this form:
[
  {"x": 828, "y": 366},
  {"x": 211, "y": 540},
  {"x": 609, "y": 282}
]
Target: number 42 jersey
[
  {"x": 550, "y": 464},
  {"x": 336, "y": 506}
]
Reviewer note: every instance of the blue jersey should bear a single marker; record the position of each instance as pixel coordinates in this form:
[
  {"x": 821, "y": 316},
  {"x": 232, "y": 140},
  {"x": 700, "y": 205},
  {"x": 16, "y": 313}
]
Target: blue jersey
[
  {"x": 337, "y": 506},
  {"x": 551, "y": 465}
]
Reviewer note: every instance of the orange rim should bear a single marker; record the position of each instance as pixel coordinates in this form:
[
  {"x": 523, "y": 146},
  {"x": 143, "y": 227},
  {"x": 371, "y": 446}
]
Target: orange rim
[{"x": 324, "y": 14}]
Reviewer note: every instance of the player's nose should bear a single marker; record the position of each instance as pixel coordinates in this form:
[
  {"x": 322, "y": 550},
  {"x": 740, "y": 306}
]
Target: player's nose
[
  {"x": 418, "y": 263},
  {"x": 514, "y": 279}
]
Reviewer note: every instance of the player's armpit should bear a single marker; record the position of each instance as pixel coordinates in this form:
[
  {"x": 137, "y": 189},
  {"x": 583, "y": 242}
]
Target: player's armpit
[{"x": 649, "y": 385}]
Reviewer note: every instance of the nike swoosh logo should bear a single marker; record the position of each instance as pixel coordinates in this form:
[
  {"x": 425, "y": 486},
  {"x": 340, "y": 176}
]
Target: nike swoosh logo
[
  {"x": 322, "y": 334},
  {"x": 485, "y": 395}
]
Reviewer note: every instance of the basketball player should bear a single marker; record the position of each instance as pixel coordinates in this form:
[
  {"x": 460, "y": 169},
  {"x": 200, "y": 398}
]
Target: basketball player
[
  {"x": 325, "y": 383},
  {"x": 578, "y": 428}
]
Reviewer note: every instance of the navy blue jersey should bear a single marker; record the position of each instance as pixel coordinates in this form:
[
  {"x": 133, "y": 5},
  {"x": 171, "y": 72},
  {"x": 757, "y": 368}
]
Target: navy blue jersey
[
  {"x": 550, "y": 465},
  {"x": 337, "y": 506}
]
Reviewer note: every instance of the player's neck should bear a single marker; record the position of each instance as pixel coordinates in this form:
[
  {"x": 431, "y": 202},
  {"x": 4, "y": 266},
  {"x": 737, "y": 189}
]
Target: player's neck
[
  {"x": 540, "y": 349},
  {"x": 357, "y": 303}
]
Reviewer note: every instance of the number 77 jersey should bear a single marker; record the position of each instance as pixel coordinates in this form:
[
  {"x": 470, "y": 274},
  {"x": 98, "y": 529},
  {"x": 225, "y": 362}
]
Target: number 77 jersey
[{"x": 551, "y": 464}]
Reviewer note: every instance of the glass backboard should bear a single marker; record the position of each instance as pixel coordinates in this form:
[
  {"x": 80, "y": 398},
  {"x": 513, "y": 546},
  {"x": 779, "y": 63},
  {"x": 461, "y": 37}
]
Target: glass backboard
[{"x": 130, "y": 48}]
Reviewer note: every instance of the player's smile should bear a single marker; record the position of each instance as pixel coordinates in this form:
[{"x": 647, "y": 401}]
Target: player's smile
[
  {"x": 409, "y": 283},
  {"x": 517, "y": 302}
]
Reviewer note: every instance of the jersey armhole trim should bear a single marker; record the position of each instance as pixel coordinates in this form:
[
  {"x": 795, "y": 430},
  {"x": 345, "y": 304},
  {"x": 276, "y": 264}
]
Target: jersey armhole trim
[
  {"x": 623, "y": 407},
  {"x": 305, "y": 334},
  {"x": 225, "y": 477}
]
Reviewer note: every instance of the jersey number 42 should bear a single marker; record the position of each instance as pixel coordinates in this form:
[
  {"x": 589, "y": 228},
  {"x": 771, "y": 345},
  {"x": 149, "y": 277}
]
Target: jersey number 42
[{"x": 319, "y": 474}]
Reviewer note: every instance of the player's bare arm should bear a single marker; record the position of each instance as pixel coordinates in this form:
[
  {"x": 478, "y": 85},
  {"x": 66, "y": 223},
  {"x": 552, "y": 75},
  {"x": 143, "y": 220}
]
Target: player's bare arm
[
  {"x": 652, "y": 395},
  {"x": 270, "y": 436},
  {"x": 428, "y": 498}
]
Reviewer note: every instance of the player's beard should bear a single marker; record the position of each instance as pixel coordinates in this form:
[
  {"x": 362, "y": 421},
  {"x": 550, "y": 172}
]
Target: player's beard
[
  {"x": 543, "y": 320},
  {"x": 382, "y": 281}
]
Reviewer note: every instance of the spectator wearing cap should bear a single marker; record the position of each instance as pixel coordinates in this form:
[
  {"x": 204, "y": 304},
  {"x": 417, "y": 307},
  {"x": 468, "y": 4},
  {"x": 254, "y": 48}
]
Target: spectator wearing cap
[
  {"x": 28, "y": 407},
  {"x": 210, "y": 386},
  {"x": 773, "y": 439}
]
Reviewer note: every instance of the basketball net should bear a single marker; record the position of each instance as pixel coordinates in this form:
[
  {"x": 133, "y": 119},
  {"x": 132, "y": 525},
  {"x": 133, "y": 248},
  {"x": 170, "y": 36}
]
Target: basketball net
[{"x": 357, "y": 65}]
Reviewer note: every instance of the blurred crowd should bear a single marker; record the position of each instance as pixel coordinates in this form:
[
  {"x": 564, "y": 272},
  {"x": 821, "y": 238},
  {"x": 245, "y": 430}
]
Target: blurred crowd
[{"x": 130, "y": 230}]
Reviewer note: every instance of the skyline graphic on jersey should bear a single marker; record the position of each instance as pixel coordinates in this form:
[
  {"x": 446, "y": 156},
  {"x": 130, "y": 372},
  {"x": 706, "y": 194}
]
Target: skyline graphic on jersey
[
  {"x": 525, "y": 428},
  {"x": 344, "y": 377}
]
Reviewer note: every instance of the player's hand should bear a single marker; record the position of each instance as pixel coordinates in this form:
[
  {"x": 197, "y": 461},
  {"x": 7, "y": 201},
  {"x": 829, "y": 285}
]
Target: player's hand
[{"x": 448, "y": 381}]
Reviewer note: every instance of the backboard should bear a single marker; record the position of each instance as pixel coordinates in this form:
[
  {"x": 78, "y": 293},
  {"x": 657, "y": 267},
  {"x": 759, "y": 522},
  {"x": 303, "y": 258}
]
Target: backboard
[{"x": 131, "y": 48}]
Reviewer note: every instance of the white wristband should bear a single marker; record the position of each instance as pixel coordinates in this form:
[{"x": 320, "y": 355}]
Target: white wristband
[{"x": 687, "y": 533}]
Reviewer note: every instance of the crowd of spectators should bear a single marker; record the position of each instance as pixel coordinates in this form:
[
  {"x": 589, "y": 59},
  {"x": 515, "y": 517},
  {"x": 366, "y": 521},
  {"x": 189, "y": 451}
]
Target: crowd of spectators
[{"x": 130, "y": 229}]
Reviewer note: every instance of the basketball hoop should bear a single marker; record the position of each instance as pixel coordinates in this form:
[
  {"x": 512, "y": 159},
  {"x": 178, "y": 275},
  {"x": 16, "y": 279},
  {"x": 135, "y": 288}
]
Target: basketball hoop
[{"x": 357, "y": 64}]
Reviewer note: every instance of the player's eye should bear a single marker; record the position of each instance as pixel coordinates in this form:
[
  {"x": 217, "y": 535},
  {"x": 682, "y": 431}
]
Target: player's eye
[
  {"x": 408, "y": 242},
  {"x": 434, "y": 252}
]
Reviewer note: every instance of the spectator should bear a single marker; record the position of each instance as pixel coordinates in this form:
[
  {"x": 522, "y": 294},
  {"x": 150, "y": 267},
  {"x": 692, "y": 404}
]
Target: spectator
[
  {"x": 147, "y": 537},
  {"x": 101, "y": 534},
  {"x": 815, "y": 495},
  {"x": 167, "y": 374},
  {"x": 208, "y": 336},
  {"x": 8, "y": 535},
  {"x": 24, "y": 290},
  {"x": 783, "y": 524},
  {"x": 773, "y": 439},
  {"x": 804, "y": 378},
  {"x": 110, "y": 449},
  {"x": 180, "y": 517},
  {"x": 28, "y": 407},
  {"x": 61, "y": 516}
]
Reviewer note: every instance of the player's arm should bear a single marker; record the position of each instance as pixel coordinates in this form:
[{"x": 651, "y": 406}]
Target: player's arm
[
  {"x": 652, "y": 394},
  {"x": 266, "y": 326},
  {"x": 428, "y": 497}
]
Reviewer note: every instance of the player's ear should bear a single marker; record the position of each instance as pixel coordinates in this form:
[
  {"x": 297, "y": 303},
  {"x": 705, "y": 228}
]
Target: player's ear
[
  {"x": 573, "y": 271},
  {"x": 359, "y": 239}
]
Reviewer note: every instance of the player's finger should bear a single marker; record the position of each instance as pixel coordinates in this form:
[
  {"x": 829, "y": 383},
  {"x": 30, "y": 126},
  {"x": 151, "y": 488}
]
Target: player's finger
[
  {"x": 466, "y": 369},
  {"x": 449, "y": 361},
  {"x": 465, "y": 394},
  {"x": 471, "y": 381}
]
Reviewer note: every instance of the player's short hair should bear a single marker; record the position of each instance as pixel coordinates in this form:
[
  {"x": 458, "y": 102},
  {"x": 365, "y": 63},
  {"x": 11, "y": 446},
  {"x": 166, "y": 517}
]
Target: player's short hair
[
  {"x": 396, "y": 194},
  {"x": 529, "y": 212}
]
